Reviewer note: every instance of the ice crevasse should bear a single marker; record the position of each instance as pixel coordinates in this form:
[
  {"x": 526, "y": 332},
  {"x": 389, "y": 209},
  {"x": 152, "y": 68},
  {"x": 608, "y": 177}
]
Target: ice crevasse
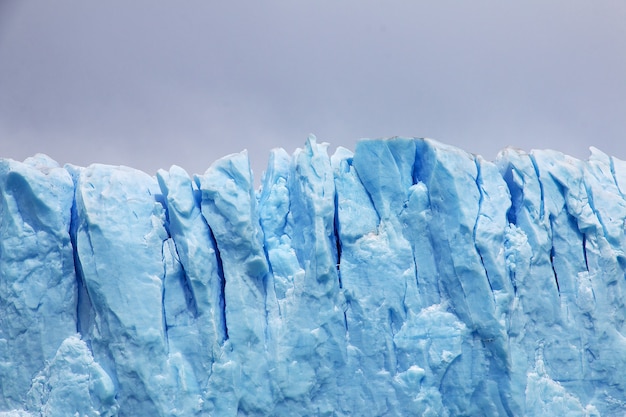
[{"x": 405, "y": 278}]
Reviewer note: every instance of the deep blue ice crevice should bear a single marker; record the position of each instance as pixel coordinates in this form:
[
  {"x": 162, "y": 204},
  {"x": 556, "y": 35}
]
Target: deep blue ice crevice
[
  {"x": 312, "y": 206},
  {"x": 337, "y": 240},
  {"x": 199, "y": 261},
  {"x": 166, "y": 261},
  {"x": 567, "y": 241},
  {"x": 221, "y": 294},
  {"x": 584, "y": 246},
  {"x": 552, "y": 252},
  {"x": 89, "y": 319},
  {"x": 339, "y": 249},
  {"x": 228, "y": 205},
  {"x": 480, "y": 203},
  {"x": 547, "y": 219},
  {"x": 350, "y": 198},
  {"x": 85, "y": 313}
]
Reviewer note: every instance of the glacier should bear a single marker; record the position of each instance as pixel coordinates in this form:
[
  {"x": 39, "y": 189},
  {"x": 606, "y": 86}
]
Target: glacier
[{"x": 408, "y": 277}]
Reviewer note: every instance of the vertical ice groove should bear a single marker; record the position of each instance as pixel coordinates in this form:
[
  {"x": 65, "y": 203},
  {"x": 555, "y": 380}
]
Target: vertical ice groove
[
  {"x": 478, "y": 214},
  {"x": 229, "y": 206},
  {"x": 222, "y": 294},
  {"x": 585, "y": 251},
  {"x": 556, "y": 278},
  {"x": 448, "y": 173},
  {"x": 163, "y": 309},
  {"x": 417, "y": 277},
  {"x": 84, "y": 307},
  {"x": 339, "y": 249},
  {"x": 521, "y": 171},
  {"x": 175, "y": 230},
  {"x": 542, "y": 215},
  {"x": 337, "y": 239},
  {"x": 166, "y": 339},
  {"x": 220, "y": 273},
  {"x": 514, "y": 181},
  {"x": 490, "y": 230},
  {"x": 538, "y": 174},
  {"x": 193, "y": 276},
  {"x": 190, "y": 294}
]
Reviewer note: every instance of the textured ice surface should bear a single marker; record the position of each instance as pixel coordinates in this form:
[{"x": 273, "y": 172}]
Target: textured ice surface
[{"x": 406, "y": 278}]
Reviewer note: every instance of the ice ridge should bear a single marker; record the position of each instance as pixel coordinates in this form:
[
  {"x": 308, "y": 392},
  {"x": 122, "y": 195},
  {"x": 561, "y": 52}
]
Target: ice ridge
[{"x": 406, "y": 278}]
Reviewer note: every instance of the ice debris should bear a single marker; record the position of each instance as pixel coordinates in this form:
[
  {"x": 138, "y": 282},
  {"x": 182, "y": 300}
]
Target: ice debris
[{"x": 406, "y": 278}]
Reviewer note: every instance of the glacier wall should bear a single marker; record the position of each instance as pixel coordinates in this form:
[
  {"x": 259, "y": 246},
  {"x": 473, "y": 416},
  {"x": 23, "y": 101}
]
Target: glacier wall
[{"x": 406, "y": 278}]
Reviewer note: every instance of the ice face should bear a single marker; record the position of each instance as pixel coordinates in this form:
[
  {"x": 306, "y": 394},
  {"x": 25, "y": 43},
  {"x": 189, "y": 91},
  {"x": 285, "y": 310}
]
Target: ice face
[
  {"x": 406, "y": 278},
  {"x": 38, "y": 282}
]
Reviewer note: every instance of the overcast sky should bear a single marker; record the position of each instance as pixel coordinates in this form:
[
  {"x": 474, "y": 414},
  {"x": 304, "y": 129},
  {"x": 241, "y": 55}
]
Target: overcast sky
[{"x": 150, "y": 84}]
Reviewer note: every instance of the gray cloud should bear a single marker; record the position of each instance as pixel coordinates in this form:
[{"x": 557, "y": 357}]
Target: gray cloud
[{"x": 149, "y": 85}]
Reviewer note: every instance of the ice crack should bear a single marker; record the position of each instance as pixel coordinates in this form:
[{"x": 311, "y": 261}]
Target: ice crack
[
  {"x": 222, "y": 297},
  {"x": 84, "y": 306},
  {"x": 478, "y": 181}
]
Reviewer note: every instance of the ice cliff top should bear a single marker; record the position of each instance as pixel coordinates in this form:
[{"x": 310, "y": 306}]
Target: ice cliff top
[{"x": 406, "y": 278}]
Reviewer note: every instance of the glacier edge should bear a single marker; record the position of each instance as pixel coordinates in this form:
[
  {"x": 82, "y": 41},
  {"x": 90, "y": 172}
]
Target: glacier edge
[{"x": 407, "y": 277}]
